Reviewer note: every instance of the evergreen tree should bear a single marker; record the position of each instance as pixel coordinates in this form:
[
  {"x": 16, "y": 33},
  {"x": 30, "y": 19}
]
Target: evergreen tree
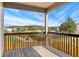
[{"x": 68, "y": 26}]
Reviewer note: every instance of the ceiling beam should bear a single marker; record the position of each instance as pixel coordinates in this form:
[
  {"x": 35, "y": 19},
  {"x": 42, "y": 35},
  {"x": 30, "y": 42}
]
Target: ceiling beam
[
  {"x": 19, "y": 6},
  {"x": 55, "y": 5}
]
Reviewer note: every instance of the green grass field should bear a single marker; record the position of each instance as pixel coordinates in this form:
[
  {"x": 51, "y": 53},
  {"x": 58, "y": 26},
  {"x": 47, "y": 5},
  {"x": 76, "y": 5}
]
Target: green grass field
[{"x": 12, "y": 39}]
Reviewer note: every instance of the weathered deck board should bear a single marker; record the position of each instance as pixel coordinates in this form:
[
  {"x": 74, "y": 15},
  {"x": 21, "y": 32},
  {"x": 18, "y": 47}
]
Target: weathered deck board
[
  {"x": 57, "y": 52},
  {"x": 23, "y": 52},
  {"x": 44, "y": 52},
  {"x": 29, "y": 52},
  {"x": 36, "y": 51}
]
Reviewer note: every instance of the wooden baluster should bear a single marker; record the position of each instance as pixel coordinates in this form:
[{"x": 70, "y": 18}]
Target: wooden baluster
[
  {"x": 22, "y": 38},
  {"x": 9, "y": 42},
  {"x": 64, "y": 43},
  {"x": 59, "y": 43},
  {"x": 71, "y": 45},
  {"x": 17, "y": 41},
  {"x": 68, "y": 44},
  {"x": 54, "y": 40},
  {"x": 76, "y": 46}
]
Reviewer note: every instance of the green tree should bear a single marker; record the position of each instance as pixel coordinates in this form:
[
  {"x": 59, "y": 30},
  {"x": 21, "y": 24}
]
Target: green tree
[{"x": 68, "y": 26}]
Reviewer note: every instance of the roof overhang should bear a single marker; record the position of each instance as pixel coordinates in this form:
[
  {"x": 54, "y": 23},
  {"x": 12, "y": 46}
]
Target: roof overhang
[{"x": 43, "y": 7}]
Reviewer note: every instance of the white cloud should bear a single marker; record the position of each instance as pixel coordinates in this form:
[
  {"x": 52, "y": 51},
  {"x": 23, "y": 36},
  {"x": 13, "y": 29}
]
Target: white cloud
[
  {"x": 52, "y": 22},
  {"x": 57, "y": 21},
  {"x": 65, "y": 9},
  {"x": 12, "y": 20},
  {"x": 59, "y": 14},
  {"x": 75, "y": 16},
  {"x": 14, "y": 10},
  {"x": 39, "y": 16},
  {"x": 62, "y": 19}
]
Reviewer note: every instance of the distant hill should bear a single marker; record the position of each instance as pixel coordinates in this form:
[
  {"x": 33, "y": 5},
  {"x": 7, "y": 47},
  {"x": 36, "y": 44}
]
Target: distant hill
[
  {"x": 22, "y": 26},
  {"x": 30, "y": 28}
]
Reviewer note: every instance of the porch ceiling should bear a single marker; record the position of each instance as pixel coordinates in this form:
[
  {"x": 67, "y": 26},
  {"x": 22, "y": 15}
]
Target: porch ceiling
[
  {"x": 43, "y": 7},
  {"x": 38, "y": 4}
]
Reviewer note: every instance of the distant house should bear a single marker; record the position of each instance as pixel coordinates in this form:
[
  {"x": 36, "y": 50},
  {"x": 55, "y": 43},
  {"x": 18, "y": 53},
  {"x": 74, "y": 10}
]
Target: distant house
[
  {"x": 38, "y": 30},
  {"x": 26, "y": 28},
  {"x": 53, "y": 29},
  {"x": 77, "y": 28},
  {"x": 9, "y": 30}
]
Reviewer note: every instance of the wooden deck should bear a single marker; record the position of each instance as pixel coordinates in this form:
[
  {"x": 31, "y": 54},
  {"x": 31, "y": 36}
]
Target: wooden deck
[{"x": 35, "y": 51}]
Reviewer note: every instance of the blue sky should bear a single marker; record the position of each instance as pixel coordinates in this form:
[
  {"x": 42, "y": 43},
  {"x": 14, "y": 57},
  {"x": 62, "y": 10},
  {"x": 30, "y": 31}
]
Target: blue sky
[{"x": 55, "y": 17}]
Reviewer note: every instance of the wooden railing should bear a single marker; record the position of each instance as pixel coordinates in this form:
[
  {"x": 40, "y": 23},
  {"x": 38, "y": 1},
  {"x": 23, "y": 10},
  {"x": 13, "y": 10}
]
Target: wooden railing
[
  {"x": 68, "y": 43},
  {"x": 20, "y": 40}
]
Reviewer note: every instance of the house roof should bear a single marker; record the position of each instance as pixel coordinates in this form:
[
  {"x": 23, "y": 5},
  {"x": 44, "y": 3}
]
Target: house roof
[{"x": 43, "y": 7}]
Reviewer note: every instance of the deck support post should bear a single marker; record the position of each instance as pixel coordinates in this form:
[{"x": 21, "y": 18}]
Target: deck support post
[
  {"x": 1, "y": 30},
  {"x": 46, "y": 28}
]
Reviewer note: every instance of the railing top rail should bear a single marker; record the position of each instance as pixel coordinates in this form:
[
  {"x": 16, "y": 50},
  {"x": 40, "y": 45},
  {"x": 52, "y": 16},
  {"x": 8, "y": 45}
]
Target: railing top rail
[
  {"x": 67, "y": 34},
  {"x": 24, "y": 33}
]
